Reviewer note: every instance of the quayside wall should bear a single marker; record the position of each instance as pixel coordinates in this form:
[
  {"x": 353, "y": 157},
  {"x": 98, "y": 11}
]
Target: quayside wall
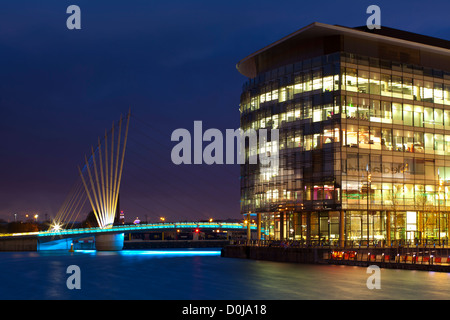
[
  {"x": 436, "y": 259},
  {"x": 300, "y": 255},
  {"x": 33, "y": 244},
  {"x": 165, "y": 244},
  {"x": 19, "y": 244}
]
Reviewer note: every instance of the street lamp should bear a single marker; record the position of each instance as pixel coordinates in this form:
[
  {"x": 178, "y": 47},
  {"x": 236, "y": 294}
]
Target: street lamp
[
  {"x": 36, "y": 217},
  {"x": 55, "y": 227}
]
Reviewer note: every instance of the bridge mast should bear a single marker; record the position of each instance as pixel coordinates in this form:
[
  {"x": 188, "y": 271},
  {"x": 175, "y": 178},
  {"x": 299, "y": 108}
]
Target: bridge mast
[{"x": 103, "y": 190}]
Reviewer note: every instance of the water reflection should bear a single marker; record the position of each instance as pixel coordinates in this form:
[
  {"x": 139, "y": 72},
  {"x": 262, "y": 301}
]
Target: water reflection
[{"x": 201, "y": 274}]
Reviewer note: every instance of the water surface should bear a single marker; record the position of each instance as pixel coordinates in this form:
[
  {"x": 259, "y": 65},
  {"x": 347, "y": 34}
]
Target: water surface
[{"x": 201, "y": 275}]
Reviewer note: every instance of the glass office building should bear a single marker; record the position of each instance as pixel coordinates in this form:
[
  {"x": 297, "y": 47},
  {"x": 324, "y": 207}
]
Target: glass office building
[{"x": 364, "y": 136}]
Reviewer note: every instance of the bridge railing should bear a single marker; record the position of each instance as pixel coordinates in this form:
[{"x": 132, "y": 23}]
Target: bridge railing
[
  {"x": 282, "y": 243},
  {"x": 350, "y": 244},
  {"x": 124, "y": 228}
]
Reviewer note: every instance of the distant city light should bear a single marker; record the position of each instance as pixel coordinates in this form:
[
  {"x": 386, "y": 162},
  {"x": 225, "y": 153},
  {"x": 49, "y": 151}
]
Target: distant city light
[
  {"x": 122, "y": 217},
  {"x": 55, "y": 227}
]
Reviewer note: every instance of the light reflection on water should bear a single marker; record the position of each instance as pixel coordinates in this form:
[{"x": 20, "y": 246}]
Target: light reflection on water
[{"x": 201, "y": 275}]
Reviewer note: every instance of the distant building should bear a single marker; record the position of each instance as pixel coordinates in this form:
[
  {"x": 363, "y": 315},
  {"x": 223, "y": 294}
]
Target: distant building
[
  {"x": 122, "y": 218},
  {"x": 364, "y": 125}
]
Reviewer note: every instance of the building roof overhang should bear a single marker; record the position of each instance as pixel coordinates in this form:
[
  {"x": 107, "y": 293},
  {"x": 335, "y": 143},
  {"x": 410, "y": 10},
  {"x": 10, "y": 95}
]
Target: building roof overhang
[{"x": 389, "y": 36}]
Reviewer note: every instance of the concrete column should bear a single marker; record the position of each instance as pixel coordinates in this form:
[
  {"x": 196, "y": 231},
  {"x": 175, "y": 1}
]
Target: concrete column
[
  {"x": 281, "y": 225},
  {"x": 258, "y": 224},
  {"x": 388, "y": 228},
  {"x": 297, "y": 224},
  {"x": 342, "y": 229},
  {"x": 448, "y": 226},
  {"x": 249, "y": 230},
  {"x": 308, "y": 227}
]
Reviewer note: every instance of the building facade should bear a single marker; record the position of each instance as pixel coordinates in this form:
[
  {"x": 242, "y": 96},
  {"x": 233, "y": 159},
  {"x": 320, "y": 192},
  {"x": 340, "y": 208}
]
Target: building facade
[{"x": 364, "y": 136}]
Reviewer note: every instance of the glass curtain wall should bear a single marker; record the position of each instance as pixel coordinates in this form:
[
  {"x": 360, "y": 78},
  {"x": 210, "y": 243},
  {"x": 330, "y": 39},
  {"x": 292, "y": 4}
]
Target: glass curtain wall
[{"x": 355, "y": 134}]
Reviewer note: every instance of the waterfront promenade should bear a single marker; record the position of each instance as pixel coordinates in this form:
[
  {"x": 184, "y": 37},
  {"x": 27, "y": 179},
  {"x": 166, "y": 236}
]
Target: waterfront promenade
[{"x": 427, "y": 257}]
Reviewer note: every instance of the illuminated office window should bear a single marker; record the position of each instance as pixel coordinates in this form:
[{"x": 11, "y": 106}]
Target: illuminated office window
[
  {"x": 364, "y": 137},
  {"x": 317, "y": 80},
  {"x": 418, "y": 116},
  {"x": 418, "y": 142},
  {"x": 283, "y": 95},
  {"x": 363, "y": 81},
  {"x": 386, "y": 85},
  {"x": 363, "y": 109},
  {"x": 298, "y": 86},
  {"x": 447, "y": 145},
  {"x": 386, "y": 139},
  {"x": 447, "y": 119},
  {"x": 351, "y": 80},
  {"x": 398, "y": 140},
  {"x": 374, "y": 84},
  {"x": 397, "y": 87},
  {"x": 397, "y": 113},
  {"x": 438, "y": 118},
  {"x": 418, "y": 89},
  {"x": 446, "y": 94},
  {"x": 428, "y": 117},
  {"x": 439, "y": 144},
  {"x": 386, "y": 112},
  {"x": 352, "y": 136},
  {"x": 408, "y": 141},
  {"x": 438, "y": 93},
  {"x": 407, "y": 114},
  {"x": 429, "y": 142},
  {"x": 375, "y": 111},
  {"x": 375, "y": 138},
  {"x": 428, "y": 91},
  {"x": 407, "y": 88},
  {"x": 328, "y": 84},
  {"x": 307, "y": 82}
]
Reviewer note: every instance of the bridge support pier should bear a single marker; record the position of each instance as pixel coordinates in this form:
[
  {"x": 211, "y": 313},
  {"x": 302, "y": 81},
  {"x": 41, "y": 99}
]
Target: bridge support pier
[
  {"x": 19, "y": 244},
  {"x": 109, "y": 242}
]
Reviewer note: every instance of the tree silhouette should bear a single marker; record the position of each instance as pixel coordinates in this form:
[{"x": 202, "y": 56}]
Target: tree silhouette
[{"x": 91, "y": 221}]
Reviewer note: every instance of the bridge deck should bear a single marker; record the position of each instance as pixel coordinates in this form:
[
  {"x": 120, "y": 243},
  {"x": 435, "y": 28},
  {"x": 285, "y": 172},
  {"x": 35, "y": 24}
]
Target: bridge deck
[{"x": 135, "y": 228}]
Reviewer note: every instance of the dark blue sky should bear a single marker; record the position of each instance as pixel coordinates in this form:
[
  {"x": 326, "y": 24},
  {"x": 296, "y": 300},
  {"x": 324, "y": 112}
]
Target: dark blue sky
[{"x": 172, "y": 62}]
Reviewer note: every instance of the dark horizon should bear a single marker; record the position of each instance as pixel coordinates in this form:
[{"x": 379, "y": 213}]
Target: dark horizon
[{"x": 172, "y": 63}]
